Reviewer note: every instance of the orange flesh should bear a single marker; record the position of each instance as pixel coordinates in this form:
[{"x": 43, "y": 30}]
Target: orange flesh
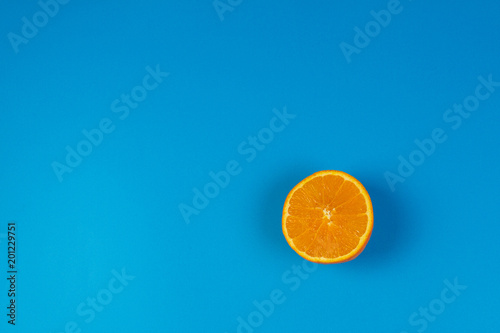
[{"x": 328, "y": 217}]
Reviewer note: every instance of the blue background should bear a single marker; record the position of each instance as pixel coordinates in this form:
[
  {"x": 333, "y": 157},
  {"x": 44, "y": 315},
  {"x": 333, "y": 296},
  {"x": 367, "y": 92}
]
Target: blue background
[{"x": 120, "y": 207}]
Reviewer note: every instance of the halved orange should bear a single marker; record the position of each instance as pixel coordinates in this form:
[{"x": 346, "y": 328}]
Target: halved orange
[{"x": 328, "y": 217}]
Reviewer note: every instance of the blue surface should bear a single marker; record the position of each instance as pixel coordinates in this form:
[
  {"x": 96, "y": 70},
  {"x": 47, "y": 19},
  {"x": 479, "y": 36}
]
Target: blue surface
[{"x": 356, "y": 103}]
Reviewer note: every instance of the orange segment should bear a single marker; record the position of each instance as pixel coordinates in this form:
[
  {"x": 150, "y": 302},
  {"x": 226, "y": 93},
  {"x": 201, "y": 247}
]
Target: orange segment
[{"x": 328, "y": 217}]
